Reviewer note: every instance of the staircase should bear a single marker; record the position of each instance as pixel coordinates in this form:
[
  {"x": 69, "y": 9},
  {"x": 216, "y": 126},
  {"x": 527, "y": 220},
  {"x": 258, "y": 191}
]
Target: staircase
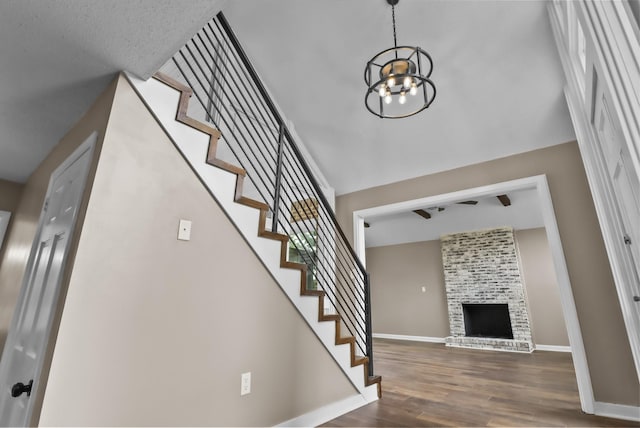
[{"x": 237, "y": 143}]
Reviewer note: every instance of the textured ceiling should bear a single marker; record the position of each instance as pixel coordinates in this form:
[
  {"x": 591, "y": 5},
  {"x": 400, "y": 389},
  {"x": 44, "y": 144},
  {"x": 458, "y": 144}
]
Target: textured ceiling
[{"x": 57, "y": 56}]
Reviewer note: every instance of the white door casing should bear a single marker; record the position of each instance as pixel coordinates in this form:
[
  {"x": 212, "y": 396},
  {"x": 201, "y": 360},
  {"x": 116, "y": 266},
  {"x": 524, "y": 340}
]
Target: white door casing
[
  {"x": 624, "y": 183},
  {"x": 539, "y": 183},
  {"x": 22, "y": 359},
  {"x": 4, "y": 222}
]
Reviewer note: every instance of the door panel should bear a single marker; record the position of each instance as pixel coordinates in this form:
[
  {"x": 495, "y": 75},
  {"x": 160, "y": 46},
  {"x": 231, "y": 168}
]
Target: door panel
[
  {"x": 624, "y": 183},
  {"x": 627, "y": 190},
  {"x": 624, "y": 209},
  {"x": 28, "y": 337}
]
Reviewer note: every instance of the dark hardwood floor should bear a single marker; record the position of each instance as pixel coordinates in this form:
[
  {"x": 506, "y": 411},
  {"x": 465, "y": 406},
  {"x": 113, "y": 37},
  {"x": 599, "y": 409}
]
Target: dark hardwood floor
[{"x": 427, "y": 384}]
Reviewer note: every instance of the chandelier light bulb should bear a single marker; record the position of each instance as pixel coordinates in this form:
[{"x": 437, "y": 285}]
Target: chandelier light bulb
[
  {"x": 391, "y": 82},
  {"x": 414, "y": 88},
  {"x": 403, "y": 98},
  {"x": 382, "y": 91},
  {"x": 407, "y": 82},
  {"x": 387, "y": 97}
]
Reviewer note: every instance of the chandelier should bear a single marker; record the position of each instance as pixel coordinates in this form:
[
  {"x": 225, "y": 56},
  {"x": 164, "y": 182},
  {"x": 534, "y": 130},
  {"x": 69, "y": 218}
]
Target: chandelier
[{"x": 398, "y": 79}]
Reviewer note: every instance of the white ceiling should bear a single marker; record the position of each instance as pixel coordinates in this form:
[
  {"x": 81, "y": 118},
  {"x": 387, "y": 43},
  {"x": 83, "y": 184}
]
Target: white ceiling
[
  {"x": 523, "y": 213},
  {"x": 496, "y": 70},
  {"x": 498, "y": 78}
]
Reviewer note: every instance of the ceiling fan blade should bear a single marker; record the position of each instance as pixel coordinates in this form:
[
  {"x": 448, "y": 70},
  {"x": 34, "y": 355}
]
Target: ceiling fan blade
[
  {"x": 423, "y": 213},
  {"x": 467, "y": 202},
  {"x": 504, "y": 200}
]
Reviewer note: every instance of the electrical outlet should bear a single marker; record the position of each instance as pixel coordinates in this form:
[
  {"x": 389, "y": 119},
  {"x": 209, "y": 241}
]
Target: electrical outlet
[{"x": 245, "y": 383}]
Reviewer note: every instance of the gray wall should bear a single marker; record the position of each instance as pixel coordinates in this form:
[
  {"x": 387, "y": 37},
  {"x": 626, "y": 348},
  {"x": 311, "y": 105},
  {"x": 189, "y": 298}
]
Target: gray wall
[
  {"x": 541, "y": 287},
  {"x": 10, "y": 194},
  {"x": 166, "y": 327},
  {"x": 399, "y": 306},
  {"x": 398, "y": 273},
  {"x": 611, "y": 366}
]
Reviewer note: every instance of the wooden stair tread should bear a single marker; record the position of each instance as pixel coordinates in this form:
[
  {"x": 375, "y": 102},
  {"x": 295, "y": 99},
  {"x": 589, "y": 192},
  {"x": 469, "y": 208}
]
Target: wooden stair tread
[
  {"x": 359, "y": 360},
  {"x": 345, "y": 340},
  {"x": 373, "y": 379},
  {"x": 251, "y": 203},
  {"x": 274, "y": 235},
  {"x": 331, "y": 317}
]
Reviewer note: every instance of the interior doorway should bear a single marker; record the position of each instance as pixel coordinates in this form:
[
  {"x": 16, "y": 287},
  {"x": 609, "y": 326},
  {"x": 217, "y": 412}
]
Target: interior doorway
[{"x": 540, "y": 186}]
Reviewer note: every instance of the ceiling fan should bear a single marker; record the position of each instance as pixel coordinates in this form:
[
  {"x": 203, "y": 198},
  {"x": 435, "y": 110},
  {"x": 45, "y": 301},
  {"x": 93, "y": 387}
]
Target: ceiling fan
[{"x": 504, "y": 200}]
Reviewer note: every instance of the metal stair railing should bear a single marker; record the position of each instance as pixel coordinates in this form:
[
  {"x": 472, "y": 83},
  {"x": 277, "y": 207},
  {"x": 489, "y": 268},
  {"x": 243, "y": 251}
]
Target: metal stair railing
[{"x": 232, "y": 97}]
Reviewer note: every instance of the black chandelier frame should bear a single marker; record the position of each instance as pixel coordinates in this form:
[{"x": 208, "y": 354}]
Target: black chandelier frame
[
  {"x": 395, "y": 71},
  {"x": 419, "y": 69}
]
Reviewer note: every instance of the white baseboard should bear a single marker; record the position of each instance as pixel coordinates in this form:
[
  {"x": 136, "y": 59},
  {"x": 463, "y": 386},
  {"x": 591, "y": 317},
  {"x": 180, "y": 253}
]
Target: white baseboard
[
  {"x": 553, "y": 348},
  {"x": 412, "y": 338},
  {"x": 618, "y": 411},
  {"x": 326, "y": 413}
]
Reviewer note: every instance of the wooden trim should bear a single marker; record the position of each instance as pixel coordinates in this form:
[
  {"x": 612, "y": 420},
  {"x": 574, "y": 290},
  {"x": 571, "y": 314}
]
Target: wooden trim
[{"x": 305, "y": 209}]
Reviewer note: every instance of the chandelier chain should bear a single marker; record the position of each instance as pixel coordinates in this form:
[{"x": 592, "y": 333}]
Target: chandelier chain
[{"x": 393, "y": 18}]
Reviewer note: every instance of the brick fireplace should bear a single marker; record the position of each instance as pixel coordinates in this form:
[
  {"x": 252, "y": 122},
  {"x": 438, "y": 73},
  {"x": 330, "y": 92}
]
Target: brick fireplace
[{"x": 485, "y": 294}]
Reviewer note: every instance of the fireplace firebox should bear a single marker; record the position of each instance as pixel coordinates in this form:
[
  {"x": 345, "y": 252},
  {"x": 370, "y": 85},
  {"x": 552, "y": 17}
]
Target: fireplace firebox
[{"x": 487, "y": 320}]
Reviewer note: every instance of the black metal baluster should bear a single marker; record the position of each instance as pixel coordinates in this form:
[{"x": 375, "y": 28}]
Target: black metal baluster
[
  {"x": 369, "y": 338},
  {"x": 276, "y": 198}
]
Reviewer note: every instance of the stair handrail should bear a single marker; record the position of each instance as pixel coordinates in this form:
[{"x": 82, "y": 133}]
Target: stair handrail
[
  {"x": 217, "y": 71},
  {"x": 294, "y": 146}
]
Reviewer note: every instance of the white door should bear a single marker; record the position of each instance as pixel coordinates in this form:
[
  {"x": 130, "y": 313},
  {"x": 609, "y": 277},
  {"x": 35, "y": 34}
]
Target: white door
[
  {"x": 625, "y": 206},
  {"x": 21, "y": 362},
  {"x": 625, "y": 184}
]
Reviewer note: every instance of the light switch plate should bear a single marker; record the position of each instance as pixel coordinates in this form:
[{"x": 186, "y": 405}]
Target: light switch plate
[
  {"x": 245, "y": 383},
  {"x": 184, "y": 230}
]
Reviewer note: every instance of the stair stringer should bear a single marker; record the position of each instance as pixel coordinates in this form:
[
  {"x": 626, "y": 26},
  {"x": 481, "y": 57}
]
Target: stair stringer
[{"x": 162, "y": 101}]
